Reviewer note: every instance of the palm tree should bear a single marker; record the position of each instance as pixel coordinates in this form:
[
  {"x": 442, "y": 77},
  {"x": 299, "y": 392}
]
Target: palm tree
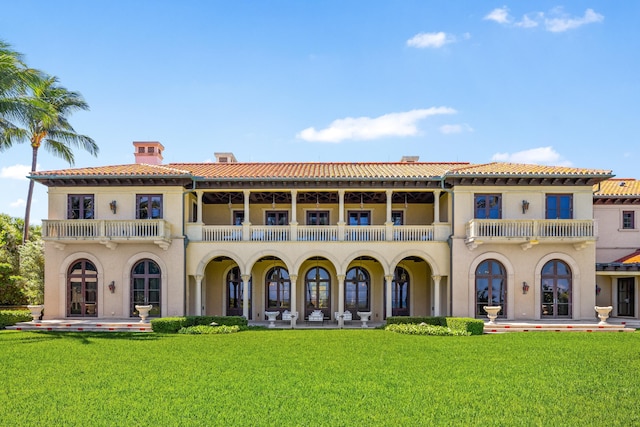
[
  {"x": 12, "y": 85},
  {"x": 46, "y": 125}
]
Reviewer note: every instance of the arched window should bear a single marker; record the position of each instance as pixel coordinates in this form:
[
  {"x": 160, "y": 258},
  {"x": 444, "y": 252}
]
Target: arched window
[
  {"x": 235, "y": 291},
  {"x": 556, "y": 283},
  {"x": 357, "y": 291},
  {"x": 400, "y": 292},
  {"x": 317, "y": 284},
  {"x": 491, "y": 286},
  {"x": 82, "y": 289},
  {"x": 278, "y": 287},
  {"x": 145, "y": 286}
]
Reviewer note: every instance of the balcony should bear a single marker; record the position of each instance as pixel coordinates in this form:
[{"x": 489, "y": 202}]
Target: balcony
[
  {"x": 528, "y": 233},
  {"x": 318, "y": 233},
  {"x": 107, "y": 232}
]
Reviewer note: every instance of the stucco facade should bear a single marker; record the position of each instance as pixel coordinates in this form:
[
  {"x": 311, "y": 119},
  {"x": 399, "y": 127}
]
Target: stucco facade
[{"x": 396, "y": 238}]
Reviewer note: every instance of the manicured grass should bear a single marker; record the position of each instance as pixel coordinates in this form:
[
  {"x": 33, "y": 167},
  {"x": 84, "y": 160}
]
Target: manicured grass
[{"x": 319, "y": 377}]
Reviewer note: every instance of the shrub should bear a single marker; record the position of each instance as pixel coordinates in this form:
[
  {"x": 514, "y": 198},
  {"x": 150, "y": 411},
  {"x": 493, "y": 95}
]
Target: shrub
[
  {"x": 11, "y": 317},
  {"x": 467, "y": 324},
  {"x": 209, "y": 330},
  {"x": 171, "y": 325},
  {"x": 425, "y": 329},
  {"x": 433, "y": 320}
]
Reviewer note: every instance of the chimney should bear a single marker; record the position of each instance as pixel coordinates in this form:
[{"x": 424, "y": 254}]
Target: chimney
[
  {"x": 148, "y": 152},
  {"x": 409, "y": 159},
  {"x": 225, "y": 158}
]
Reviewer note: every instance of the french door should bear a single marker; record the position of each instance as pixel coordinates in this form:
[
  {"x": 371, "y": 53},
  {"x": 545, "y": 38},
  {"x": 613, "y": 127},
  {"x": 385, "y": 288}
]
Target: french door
[
  {"x": 626, "y": 297},
  {"x": 82, "y": 290},
  {"x": 556, "y": 289}
]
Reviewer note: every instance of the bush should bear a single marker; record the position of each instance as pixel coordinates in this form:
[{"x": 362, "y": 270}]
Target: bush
[
  {"x": 424, "y": 329},
  {"x": 209, "y": 330},
  {"x": 465, "y": 324},
  {"x": 171, "y": 325},
  {"x": 11, "y": 317}
]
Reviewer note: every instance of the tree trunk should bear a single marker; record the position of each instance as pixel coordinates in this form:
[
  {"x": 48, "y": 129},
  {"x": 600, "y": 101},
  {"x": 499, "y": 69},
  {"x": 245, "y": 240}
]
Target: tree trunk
[{"x": 27, "y": 212}]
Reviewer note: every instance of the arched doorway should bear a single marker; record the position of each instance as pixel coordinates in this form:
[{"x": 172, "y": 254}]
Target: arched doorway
[
  {"x": 278, "y": 289},
  {"x": 556, "y": 286},
  {"x": 82, "y": 289},
  {"x": 146, "y": 279},
  {"x": 491, "y": 286},
  {"x": 317, "y": 285},
  {"x": 357, "y": 291},
  {"x": 400, "y": 292},
  {"x": 235, "y": 293}
]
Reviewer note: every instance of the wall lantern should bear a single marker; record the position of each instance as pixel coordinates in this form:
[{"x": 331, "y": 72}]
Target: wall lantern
[
  {"x": 525, "y": 206},
  {"x": 598, "y": 290},
  {"x": 112, "y": 286},
  {"x": 525, "y": 288},
  {"x": 113, "y": 206}
]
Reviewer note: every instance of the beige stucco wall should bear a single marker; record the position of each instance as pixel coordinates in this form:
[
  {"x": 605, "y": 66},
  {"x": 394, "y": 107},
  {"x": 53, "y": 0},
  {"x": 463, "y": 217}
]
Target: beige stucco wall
[{"x": 614, "y": 242}]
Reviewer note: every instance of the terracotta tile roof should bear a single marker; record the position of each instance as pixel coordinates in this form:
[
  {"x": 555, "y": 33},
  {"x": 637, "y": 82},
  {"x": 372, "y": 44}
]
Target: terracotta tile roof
[
  {"x": 617, "y": 187},
  {"x": 315, "y": 170},
  {"x": 633, "y": 258},
  {"x": 518, "y": 169},
  {"x": 117, "y": 170}
]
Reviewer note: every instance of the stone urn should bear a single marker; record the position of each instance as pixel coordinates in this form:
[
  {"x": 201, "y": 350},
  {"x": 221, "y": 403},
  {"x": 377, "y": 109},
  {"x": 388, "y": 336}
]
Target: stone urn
[
  {"x": 364, "y": 317},
  {"x": 492, "y": 312},
  {"x": 603, "y": 313},
  {"x": 36, "y": 311},
  {"x": 271, "y": 316},
  {"x": 143, "y": 312}
]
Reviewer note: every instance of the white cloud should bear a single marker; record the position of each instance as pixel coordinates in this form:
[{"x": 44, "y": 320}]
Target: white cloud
[
  {"x": 499, "y": 15},
  {"x": 541, "y": 155},
  {"x": 558, "y": 25},
  {"x": 367, "y": 128},
  {"x": 435, "y": 40},
  {"x": 20, "y": 203},
  {"x": 555, "y": 21},
  {"x": 15, "y": 172},
  {"x": 459, "y": 128}
]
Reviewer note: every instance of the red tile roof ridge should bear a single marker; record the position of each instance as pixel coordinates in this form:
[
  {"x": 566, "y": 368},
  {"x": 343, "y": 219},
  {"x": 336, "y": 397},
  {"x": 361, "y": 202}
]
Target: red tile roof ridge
[
  {"x": 319, "y": 163},
  {"x": 628, "y": 257}
]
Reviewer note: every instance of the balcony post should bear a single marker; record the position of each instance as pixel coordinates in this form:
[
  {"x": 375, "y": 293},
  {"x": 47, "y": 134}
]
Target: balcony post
[
  {"x": 436, "y": 206},
  {"x": 245, "y": 295},
  {"x": 436, "y": 294},
  {"x": 246, "y": 224},
  {"x": 388, "y": 279},
  {"x": 341, "y": 222},
  {"x": 341, "y": 300},
  {"x": 294, "y": 216},
  {"x": 389, "y": 224},
  {"x": 199, "y": 193}
]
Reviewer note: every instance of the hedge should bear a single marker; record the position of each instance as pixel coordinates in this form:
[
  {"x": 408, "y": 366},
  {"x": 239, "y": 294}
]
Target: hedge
[
  {"x": 11, "y": 317},
  {"x": 467, "y": 324},
  {"x": 424, "y": 329},
  {"x": 209, "y": 330},
  {"x": 171, "y": 325}
]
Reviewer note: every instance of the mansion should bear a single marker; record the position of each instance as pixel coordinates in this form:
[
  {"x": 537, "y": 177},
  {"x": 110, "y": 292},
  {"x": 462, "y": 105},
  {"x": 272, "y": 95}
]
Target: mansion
[{"x": 406, "y": 238}]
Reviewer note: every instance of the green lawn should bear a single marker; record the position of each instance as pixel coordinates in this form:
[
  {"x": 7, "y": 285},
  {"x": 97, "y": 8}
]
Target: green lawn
[{"x": 319, "y": 377}]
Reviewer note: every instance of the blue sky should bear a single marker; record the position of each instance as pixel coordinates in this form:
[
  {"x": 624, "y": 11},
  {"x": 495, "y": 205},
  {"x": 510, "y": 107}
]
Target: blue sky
[{"x": 526, "y": 81}]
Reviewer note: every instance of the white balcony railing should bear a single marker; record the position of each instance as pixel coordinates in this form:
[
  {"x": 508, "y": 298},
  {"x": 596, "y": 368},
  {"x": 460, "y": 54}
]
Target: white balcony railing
[
  {"x": 412, "y": 233},
  {"x": 368, "y": 233},
  {"x": 530, "y": 231},
  {"x": 222, "y": 233},
  {"x": 156, "y": 230},
  {"x": 270, "y": 233},
  {"x": 317, "y": 233}
]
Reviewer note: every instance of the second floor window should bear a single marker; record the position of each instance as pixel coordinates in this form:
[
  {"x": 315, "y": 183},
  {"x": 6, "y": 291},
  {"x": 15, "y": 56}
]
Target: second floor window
[
  {"x": 488, "y": 206},
  {"x": 80, "y": 206},
  {"x": 148, "y": 206},
  {"x": 359, "y": 218},
  {"x": 238, "y": 217},
  {"x": 397, "y": 217},
  {"x": 559, "y": 206},
  {"x": 318, "y": 218},
  {"x": 628, "y": 220},
  {"x": 277, "y": 218}
]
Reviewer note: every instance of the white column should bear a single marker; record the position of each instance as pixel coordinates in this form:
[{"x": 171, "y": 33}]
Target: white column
[
  {"x": 341, "y": 300},
  {"x": 341, "y": 215},
  {"x": 245, "y": 295},
  {"x": 389, "y": 202},
  {"x": 294, "y": 206},
  {"x": 294, "y": 296},
  {"x": 436, "y": 206},
  {"x": 388, "y": 287},
  {"x": 199, "y": 278},
  {"x": 246, "y": 224},
  {"x": 436, "y": 295},
  {"x": 388, "y": 232},
  {"x": 199, "y": 193}
]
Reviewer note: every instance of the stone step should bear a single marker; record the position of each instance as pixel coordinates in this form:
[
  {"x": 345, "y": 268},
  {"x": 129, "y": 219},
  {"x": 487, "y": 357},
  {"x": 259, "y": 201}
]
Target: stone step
[{"x": 489, "y": 329}]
